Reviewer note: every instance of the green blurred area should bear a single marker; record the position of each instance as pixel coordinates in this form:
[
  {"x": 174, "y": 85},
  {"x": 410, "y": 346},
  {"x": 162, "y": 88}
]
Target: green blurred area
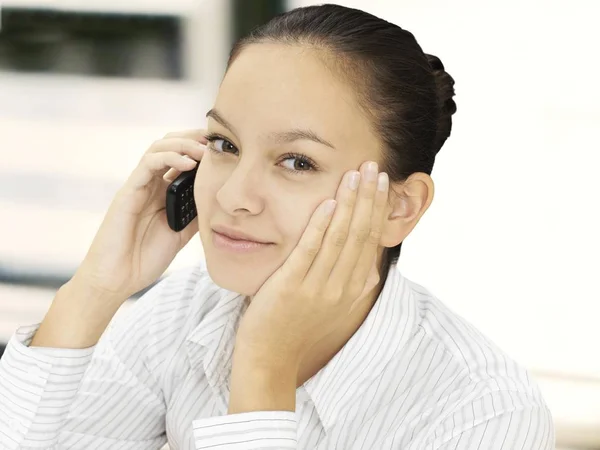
[
  {"x": 248, "y": 14},
  {"x": 131, "y": 45}
]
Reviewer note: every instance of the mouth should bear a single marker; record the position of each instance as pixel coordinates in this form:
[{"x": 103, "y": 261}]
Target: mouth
[{"x": 237, "y": 241}]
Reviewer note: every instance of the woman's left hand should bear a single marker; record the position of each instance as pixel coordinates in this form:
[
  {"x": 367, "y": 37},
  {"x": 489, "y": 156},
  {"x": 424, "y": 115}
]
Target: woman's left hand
[{"x": 329, "y": 271}]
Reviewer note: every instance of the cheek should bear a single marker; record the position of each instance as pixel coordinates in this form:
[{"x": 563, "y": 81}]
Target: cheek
[
  {"x": 293, "y": 214},
  {"x": 292, "y": 209}
]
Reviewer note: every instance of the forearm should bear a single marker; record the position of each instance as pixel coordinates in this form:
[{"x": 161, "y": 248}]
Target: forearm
[{"x": 76, "y": 318}]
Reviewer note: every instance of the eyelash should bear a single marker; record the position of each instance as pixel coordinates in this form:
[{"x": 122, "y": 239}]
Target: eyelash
[{"x": 313, "y": 166}]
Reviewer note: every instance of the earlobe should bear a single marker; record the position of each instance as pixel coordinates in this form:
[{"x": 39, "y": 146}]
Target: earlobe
[{"x": 395, "y": 222}]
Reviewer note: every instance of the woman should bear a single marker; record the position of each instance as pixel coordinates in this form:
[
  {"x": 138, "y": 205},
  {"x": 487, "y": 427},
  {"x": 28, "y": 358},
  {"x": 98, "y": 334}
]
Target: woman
[{"x": 299, "y": 331}]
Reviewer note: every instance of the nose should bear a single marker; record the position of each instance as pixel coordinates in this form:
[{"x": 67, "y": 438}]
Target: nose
[{"x": 240, "y": 194}]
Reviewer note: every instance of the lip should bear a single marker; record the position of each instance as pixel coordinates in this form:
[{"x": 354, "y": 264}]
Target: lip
[
  {"x": 236, "y": 241},
  {"x": 238, "y": 235}
]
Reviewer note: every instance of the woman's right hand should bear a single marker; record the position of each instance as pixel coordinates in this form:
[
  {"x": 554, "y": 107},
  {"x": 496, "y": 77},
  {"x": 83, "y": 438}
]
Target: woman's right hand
[{"x": 134, "y": 244}]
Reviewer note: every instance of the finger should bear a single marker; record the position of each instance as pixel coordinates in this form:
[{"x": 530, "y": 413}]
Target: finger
[
  {"x": 360, "y": 228},
  {"x": 157, "y": 164},
  {"x": 337, "y": 232},
  {"x": 183, "y": 146},
  {"x": 360, "y": 276},
  {"x": 197, "y": 134},
  {"x": 298, "y": 263},
  {"x": 172, "y": 174}
]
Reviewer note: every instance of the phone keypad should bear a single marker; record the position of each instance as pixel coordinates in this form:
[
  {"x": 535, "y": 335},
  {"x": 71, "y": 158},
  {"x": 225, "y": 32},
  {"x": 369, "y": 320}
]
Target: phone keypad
[
  {"x": 188, "y": 208},
  {"x": 180, "y": 204}
]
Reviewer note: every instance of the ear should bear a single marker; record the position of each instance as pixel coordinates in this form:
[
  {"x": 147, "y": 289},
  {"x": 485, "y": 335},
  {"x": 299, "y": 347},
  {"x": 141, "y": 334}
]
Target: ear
[{"x": 408, "y": 201}]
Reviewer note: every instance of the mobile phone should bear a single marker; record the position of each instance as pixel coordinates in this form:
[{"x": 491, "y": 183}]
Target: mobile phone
[{"x": 181, "y": 206}]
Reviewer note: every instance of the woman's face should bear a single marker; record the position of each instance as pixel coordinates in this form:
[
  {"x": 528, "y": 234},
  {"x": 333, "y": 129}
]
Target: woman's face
[{"x": 284, "y": 132}]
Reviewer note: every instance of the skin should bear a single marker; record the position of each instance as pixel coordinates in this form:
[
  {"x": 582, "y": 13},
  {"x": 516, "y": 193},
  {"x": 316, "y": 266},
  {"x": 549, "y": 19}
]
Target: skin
[{"x": 243, "y": 183}]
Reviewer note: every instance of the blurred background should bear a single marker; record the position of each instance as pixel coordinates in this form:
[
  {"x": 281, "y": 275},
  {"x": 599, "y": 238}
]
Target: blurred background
[{"x": 510, "y": 243}]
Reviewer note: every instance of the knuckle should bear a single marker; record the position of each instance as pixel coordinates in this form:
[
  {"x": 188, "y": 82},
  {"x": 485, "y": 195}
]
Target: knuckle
[
  {"x": 339, "y": 238},
  {"x": 310, "y": 250},
  {"x": 349, "y": 201},
  {"x": 367, "y": 193},
  {"x": 375, "y": 236},
  {"x": 360, "y": 235},
  {"x": 181, "y": 147}
]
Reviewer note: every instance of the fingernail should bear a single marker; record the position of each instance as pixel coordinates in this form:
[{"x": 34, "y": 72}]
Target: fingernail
[
  {"x": 329, "y": 207},
  {"x": 353, "y": 179},
  {"x": 382, "y": 181},
  {"x": 371, "y": 171}
]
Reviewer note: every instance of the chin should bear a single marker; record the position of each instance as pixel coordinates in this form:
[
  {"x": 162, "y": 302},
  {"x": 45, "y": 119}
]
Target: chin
[{"x": 246, "y": 281}]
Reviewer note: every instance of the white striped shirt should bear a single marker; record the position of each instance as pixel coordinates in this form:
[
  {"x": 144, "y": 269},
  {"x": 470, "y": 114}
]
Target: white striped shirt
[{"x": 414, "y": 376}]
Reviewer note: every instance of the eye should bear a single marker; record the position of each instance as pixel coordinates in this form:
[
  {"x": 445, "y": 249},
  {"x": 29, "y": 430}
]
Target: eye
[
  {"x": 298, "y": 163},
  {"x": 219, "y": 144}
]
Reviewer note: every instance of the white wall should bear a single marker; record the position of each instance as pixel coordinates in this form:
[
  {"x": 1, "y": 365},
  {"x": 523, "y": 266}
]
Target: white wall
[{"x": 511, "y": 240}]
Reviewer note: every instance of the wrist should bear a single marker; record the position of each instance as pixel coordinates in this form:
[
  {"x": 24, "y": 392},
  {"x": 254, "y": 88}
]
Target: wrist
[
  {"x": 265, "y": 363},
  {"x": 80, "y": 287},
  {"x": 262, "y": 387}
]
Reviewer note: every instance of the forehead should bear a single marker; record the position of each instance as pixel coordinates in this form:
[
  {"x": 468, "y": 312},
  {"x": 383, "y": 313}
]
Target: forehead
[{"x": 273, "y": 87}]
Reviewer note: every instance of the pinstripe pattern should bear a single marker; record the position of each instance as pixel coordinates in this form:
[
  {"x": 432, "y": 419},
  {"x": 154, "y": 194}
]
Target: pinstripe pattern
[{"x": 414, "y": 376}]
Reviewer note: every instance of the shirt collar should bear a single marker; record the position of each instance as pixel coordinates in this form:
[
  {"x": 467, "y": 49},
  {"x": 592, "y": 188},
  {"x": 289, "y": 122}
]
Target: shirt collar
[
  {"x": 216, "y": 333},
  {"x": 362, "y": 360},
  {"x": 343, "y": 379}
]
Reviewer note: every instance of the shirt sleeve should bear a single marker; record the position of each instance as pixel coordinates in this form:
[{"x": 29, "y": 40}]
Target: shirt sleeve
[
  {"x": 247, "y": 431},
  {"x": 513, "y": 428},
  {"x": 82, "y": 398}
]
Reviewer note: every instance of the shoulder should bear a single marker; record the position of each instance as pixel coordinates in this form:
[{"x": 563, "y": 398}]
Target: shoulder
[
  {"x": 484, "y": 370},
  {"x": 478, "y": 355},
  {"x": 479, "y": 383}
]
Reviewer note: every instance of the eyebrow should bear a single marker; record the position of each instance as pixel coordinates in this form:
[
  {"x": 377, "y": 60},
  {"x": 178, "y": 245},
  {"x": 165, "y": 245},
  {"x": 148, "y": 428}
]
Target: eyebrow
[{"x": 281, "y": 137}]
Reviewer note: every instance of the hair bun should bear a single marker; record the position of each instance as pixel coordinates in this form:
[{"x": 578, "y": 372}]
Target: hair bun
[
  {"x": 434, "y": 62},
  {"x": 445, "y": 91}
]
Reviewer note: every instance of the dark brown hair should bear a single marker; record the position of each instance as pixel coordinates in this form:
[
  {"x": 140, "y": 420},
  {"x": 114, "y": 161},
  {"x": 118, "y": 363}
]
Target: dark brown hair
[{"x": 406, "y": 93}]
